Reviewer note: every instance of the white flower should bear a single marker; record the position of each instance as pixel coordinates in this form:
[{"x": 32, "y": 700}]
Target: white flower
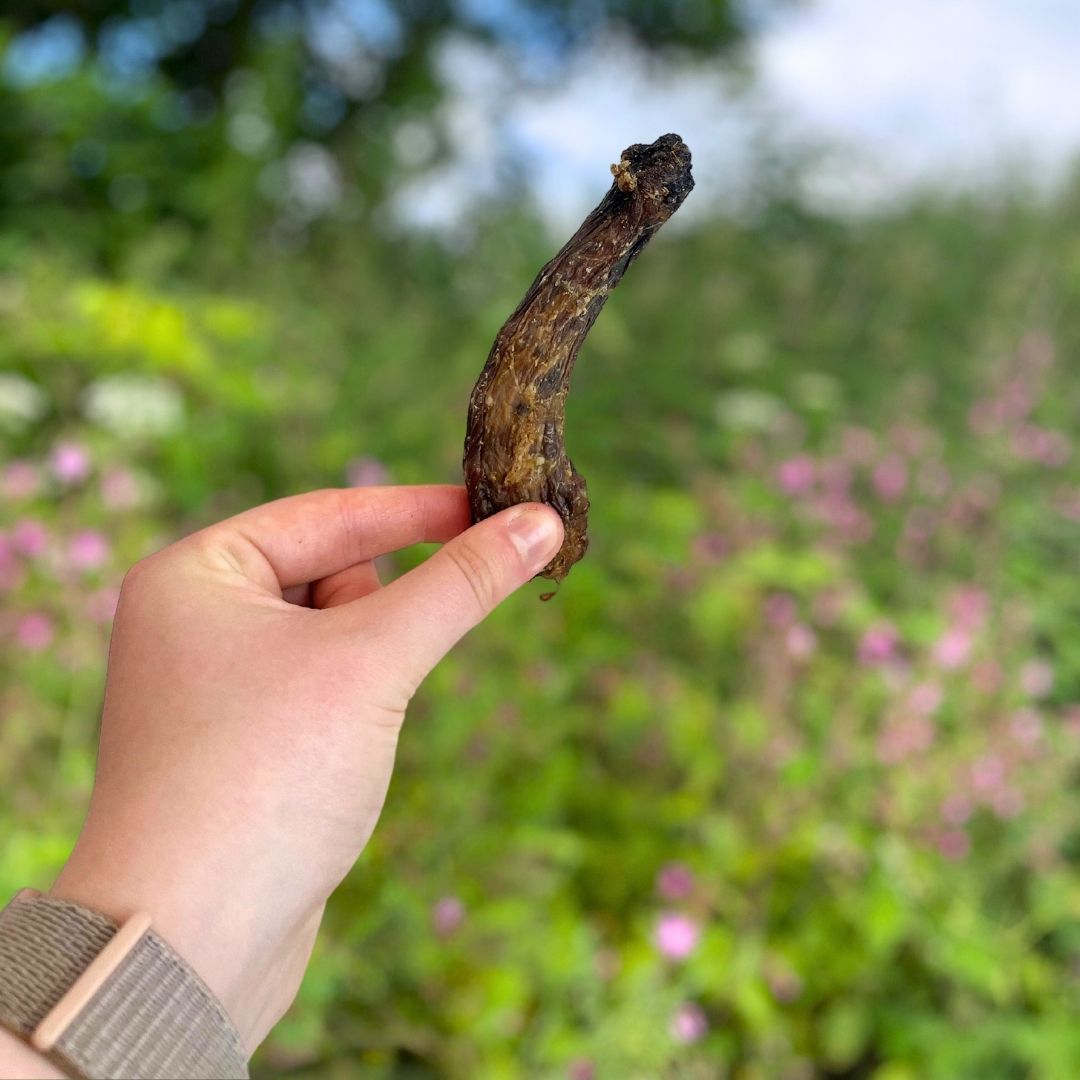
[
  {"x": 250, "y": 133},
  {"x": 313, "y": 180},
  {"x": 134, "y": 405},
  {"x": 748, "y": 410},
  {"x": 21, "y": 402}
]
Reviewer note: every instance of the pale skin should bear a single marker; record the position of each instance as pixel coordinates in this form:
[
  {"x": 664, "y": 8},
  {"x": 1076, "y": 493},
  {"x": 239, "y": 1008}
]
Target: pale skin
[{"x": 258, "y": 678}]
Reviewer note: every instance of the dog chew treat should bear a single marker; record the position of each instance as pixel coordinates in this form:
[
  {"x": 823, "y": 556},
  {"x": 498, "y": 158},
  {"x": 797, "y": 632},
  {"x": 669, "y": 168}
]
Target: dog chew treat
[{"x": 514, "y": 450}]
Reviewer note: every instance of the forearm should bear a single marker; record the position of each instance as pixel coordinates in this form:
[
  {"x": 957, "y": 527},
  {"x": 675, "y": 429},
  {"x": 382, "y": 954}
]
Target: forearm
[{"x": 19, "y": 1061}]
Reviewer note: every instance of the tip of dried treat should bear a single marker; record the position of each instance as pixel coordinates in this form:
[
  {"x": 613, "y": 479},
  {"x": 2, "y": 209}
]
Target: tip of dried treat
[{"x": 660, "y": 169}]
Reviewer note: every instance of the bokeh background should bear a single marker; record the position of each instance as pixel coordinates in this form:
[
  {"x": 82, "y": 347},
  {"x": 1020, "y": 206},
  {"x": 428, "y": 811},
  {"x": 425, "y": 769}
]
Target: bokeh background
[{"x": 783, "y": 784}]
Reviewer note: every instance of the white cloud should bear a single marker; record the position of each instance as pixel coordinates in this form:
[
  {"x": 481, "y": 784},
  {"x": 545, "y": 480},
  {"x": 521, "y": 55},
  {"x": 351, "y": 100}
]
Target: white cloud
[
  {"x": 612, "y": 99},
  {"x": 952, "y": 92}
]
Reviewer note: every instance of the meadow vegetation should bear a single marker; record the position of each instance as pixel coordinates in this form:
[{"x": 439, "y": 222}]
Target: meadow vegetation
[{"x": 782, "y": 783}]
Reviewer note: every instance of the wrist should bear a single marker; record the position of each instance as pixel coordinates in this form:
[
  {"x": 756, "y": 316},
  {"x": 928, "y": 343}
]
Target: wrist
[{"x": 252, "y": 971}]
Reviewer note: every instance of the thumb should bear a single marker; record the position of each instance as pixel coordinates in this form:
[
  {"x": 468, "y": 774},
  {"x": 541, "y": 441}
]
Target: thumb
[{"x": 424, "y": 612}]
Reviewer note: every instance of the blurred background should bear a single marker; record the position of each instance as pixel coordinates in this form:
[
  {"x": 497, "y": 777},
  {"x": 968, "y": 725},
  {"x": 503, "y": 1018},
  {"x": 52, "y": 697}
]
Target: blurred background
[{"x": 783, "y": 783}]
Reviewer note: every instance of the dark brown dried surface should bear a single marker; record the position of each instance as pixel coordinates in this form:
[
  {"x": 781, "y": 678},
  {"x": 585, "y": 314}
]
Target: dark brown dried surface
[{"x": 514, "y": 448}]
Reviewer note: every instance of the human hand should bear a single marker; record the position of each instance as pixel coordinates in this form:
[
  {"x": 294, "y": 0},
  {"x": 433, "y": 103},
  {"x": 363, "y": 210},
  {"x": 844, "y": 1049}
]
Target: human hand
[{"x": 247, "y": 740}]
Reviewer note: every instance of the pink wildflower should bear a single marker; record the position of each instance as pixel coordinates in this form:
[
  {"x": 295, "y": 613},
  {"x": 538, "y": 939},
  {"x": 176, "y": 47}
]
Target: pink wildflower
[
  {"x": 956, "y": 809},
  {"x": 910, "y": 439},
  {"x": 878, "y": 645},
  {"x": 801, "y": 642},
  {"x": 954, "y": 844},
  {"x": 1037, "y": 678},
  {"x": 903, "y": 738},
  {"x": 1067, "y": 503},
  {"x": 1071, "y": 720},
  {"x": 120, "y": 489},
  {"x": 828, "y": 607},
  {"x": 969, "y": 606},
  {"x": 676, "y": 936},
  {"x": 920, "y": 733},
  {"x": 581, "y": 1069},
  {"x": 953, "y": 648},
  {"x": 1026, "y": 728},
  {"x": 784, "y": 984},
  {"x": 986, "y": 676},
  {"x": 447, "y": 915},
  {"x": 711, "y": 547},
  {"x": 1007, "y": 803},
  {"x": 840, "y": 513},
  {"x": 836, "y": 476},
  {"x": 925, "y": 698},
  {"x": 689, "y": 1024},
  {"x": 35, "y": 632},
  {"x": 1057, "y": 450},
  {"x": 987, "y": 774},
  {"x": 920, "y": 524},
  {"x": 70, "y": 463},
  {"x": 11, "y": 573},
  {"x": 890, "y": 478},
  {"x": 1049, "y": 448},
  {"x": 19, "y": 480},
  {"x": 101, "y": 605},
  {"x": 88, "y": 550},
  {"x": 675, "y": 881},
  {"x": 780, "y": 610},
  {"x": 29, "y": 537},
  {"x": 796, "y": 475},
  {"x": 858, "y": 445},
  {"x": 1016, "y": 399},
  {"x": 366, "y": 472}
]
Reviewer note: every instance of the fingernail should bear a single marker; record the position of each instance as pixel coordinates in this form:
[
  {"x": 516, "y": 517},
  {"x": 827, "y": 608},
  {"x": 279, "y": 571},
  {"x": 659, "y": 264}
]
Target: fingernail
[{"x": 536, "y": 535}]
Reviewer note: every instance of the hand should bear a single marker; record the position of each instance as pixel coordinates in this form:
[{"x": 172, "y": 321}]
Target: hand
[{"x": 258, "y": 679}]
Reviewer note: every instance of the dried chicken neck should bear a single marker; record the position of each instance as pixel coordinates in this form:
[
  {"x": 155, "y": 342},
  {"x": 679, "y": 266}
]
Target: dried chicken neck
[{"x": 514, "y": 448}]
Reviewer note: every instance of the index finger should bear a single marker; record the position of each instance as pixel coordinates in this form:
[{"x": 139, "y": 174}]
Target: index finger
[{"x": 303, "y": 538}]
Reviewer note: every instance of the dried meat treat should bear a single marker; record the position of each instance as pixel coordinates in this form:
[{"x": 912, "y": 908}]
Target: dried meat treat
[{"x": 514, "y": 448}]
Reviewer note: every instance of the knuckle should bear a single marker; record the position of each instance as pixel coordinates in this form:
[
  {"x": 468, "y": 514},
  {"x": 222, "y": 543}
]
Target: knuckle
[
  {"x": 350, "y": 522},
  {"x": 220, "y": 547},
  {"x": 479, "y": 572},
  {"x": 140, "y": 588},
  {"x": 205, "y": 544},
  {"x": 138, "y": 576}
]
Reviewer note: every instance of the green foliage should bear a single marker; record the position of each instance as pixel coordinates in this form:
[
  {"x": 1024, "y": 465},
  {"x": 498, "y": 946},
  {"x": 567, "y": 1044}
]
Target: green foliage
[
  {"x": 206, "y": 113},
  {"x": 820, "y": 660}
]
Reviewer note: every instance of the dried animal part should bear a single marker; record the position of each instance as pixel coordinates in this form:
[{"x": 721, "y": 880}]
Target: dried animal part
[{"x": 514, "y": 450}]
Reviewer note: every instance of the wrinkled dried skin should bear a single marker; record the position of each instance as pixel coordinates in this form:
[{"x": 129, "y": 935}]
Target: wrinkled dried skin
[{"x": 514, "y": 448}]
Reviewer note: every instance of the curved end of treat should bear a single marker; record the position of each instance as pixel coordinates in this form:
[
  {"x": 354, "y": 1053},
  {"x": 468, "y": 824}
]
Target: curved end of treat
[{"x": 659, "y": 170}]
